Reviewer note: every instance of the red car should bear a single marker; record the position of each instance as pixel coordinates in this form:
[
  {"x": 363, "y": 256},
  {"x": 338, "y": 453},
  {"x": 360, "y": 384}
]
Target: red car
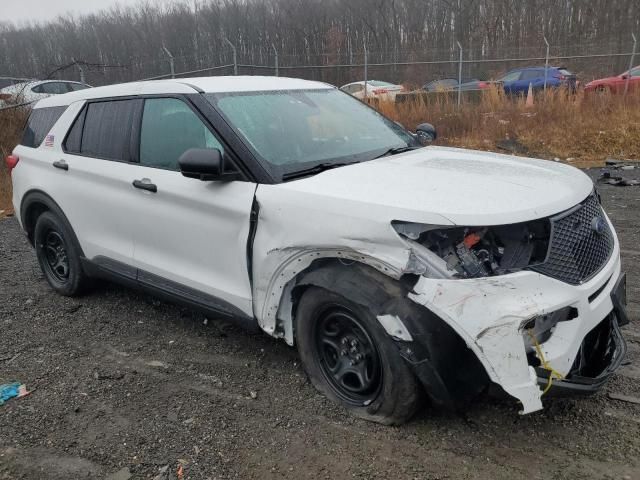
[{"x": 616, "y": 84}]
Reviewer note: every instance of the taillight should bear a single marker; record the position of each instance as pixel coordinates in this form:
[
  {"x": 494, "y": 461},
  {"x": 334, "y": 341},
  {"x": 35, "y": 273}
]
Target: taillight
[
  {"x": 380, "y": 91},
  {"x": 561, "y": 77},
  {"x": 483, "y": 85},
  {"x": 12, "y": 161}
]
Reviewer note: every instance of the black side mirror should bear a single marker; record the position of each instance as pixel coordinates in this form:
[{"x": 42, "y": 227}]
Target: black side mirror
[
  {"x": 204, "y": 164},
  {"x": 426, "y": 133}
]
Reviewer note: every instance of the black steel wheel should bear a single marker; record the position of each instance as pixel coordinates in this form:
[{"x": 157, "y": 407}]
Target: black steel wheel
[
  {"x": 351, "y": 359},
  {"x": 59, "y": 255},
  {"x": 55, "y": 252},
  {"x": 348, "y": 356}
]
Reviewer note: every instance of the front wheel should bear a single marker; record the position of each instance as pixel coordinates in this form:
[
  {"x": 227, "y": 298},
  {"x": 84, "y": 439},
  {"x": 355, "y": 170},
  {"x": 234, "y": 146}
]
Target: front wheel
[{"x": 349, "y": 358}]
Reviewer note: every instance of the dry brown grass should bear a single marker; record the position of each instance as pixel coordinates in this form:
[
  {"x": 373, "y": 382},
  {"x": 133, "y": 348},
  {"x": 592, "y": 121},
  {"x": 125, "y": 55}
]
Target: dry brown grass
[
  {"x": 586, "y": 129},
  {"x": 11, "y": 123}
]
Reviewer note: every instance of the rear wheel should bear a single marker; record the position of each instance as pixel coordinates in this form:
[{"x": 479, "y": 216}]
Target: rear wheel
[
  {"x": 349, "y": 357},
  {"x": 58, "y": 256}
]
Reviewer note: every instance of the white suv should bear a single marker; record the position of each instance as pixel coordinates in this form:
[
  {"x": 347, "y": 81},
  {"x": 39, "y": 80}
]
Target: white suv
[{"x": 397, "y": 270}]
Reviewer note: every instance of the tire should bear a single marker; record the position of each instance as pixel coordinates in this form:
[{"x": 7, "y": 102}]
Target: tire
[
  {"x": 368, "y": 377},
  {"x": 59, "y": 255}
]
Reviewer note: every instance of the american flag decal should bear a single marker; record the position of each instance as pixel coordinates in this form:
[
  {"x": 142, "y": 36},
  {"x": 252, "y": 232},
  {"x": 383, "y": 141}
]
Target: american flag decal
[{"x": 48, "y": 140}]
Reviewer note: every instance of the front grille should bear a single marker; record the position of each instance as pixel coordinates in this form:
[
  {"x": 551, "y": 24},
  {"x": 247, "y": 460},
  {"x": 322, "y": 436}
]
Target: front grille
[{"x": 581, "y": 243}]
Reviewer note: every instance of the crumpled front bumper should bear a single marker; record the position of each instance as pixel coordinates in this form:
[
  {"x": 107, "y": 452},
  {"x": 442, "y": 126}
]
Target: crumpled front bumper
[
  {"x": 490, "y": 314},
  {"x": 593, "y": 376}
]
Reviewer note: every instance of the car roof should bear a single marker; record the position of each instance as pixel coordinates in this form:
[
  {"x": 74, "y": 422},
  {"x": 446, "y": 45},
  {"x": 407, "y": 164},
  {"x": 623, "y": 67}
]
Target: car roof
[
  {"x": 229, "y": 84},
  {"x": 550, "y": 67},
  {"x": 361, "y": 82}
]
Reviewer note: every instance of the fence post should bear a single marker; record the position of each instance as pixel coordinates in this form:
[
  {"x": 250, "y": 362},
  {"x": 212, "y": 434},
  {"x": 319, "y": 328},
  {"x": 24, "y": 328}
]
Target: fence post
[
  {"x": 81, "y": 69},
  {"x": 459, "y": 74},
  {"x": 546, "y": 63},
  {"x": 172, "y": 65},
  {"x": 633, "y": 55},
  {"x": 366, "y": 69},
  {"x": 235, "y": 56},
  {"x": 275, "y": 51}
]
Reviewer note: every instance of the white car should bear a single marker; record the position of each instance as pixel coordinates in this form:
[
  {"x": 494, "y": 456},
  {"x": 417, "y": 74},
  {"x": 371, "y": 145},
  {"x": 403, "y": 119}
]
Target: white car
[
  {"x": 374, "y": 89},
  {"x": 288, "y": 206},
  {"x": 29, "y": 92}
]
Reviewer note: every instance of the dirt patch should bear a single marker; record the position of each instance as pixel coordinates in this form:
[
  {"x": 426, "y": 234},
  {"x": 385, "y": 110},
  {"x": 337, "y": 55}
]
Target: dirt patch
[{"x": 125, "y": 385}]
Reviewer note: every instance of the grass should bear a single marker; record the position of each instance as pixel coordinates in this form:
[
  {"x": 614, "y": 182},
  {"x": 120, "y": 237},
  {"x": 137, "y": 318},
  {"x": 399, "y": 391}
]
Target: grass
[
  {"x": 579, "y": 129},
  {"x": 11, "y": 124},
  {"x": 582, "y": 130}
]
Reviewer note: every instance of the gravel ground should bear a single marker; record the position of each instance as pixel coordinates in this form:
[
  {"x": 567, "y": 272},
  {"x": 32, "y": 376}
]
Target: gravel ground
[{"x": 124, "y": 385}]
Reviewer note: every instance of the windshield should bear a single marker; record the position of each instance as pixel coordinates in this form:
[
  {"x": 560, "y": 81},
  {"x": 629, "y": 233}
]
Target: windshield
[{"x": 293, "y": 130}]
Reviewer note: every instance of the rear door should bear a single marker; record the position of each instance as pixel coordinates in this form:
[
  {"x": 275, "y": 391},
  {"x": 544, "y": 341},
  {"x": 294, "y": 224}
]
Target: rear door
[
  {"x": 509, "y": 82},
  {"x": 95, "y": 192},
  {"x": 535, "y": 78},
  {"x": 190, "y": 236}
]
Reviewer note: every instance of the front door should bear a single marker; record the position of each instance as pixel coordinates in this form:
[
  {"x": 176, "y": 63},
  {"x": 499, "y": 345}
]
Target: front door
[{"x": 191, "y": 236}]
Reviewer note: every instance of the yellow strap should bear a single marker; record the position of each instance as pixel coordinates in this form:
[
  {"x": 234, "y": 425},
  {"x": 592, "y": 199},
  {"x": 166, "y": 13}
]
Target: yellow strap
[{"x": 543, "y": 362}]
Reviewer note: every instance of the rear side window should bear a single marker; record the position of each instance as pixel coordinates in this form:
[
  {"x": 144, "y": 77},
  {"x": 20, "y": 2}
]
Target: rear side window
[
  {"x": 72, "y": 143},
  {"x": 107, "y": 129},
  {"x": 40, "y": 122},
  {"x": 511, "y": 77},
  {"x": 532, "y": 74}
]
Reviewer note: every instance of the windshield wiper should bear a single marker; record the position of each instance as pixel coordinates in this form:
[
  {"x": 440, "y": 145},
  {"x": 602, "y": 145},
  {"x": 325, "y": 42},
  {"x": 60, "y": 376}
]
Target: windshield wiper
[
  {"x": 321, "y": 167},
  {"x": 396, "y": 150}
]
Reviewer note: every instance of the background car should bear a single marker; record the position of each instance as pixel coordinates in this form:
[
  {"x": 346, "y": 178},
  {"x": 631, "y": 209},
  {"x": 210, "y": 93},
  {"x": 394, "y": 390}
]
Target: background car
[
  {"x": 8, "y": 81},
  {"x": 448, "y": 84},
  {"x": 375, "y": 89},
  {"x": 28, "y": 92},
  {"x": 616, "y": 84},
  {"x": 517, "y": 81}
]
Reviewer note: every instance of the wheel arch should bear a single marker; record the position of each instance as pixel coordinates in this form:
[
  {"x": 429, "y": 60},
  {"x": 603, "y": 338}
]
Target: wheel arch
[
  {"x": 34, "y": 203},
  {"x": 450, "y": 371}
]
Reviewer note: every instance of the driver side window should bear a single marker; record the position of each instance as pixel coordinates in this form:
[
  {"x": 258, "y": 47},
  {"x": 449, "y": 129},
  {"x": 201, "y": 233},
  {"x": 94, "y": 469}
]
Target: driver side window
[{"x": 170, "y": 128}]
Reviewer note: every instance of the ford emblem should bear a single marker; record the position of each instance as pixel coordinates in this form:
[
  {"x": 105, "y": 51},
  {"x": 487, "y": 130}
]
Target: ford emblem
[{"x": 598, "y": 225}]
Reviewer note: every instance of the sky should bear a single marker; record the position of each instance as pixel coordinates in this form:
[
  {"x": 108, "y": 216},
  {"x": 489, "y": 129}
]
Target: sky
[{"x": 21, "y": 11}]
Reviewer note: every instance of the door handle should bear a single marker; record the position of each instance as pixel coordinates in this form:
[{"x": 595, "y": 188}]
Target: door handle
[
  {"x": 145, "y": 184},
  {"x": 61, "y": 164}
]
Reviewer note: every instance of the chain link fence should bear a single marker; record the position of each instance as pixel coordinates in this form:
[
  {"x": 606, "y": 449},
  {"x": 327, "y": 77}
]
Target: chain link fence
[{"x": 410, "y": 68}]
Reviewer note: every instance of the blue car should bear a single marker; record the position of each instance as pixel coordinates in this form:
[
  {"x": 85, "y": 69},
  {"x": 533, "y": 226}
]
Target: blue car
[{"x": 517, "y": 81}]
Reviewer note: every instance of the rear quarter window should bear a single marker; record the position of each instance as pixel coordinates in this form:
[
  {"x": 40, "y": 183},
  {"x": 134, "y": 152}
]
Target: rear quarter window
[
  {"x": 107, "y": 129},
  {"x": 40, "y": 122}
]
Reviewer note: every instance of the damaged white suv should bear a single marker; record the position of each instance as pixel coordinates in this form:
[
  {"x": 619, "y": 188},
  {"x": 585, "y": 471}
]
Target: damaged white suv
[{"x": 398, "y": 270}]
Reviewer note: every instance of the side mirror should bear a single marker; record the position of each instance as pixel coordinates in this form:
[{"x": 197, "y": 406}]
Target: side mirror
[
  {"x": 624, "y": 77},
  {"x": 426, "y": 133},
  {"x": 205, "y": 164}
]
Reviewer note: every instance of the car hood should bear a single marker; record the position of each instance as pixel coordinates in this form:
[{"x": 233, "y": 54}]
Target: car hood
[
  {"x": 601, "y": 81},
  {"x": 462, "y": 187}
]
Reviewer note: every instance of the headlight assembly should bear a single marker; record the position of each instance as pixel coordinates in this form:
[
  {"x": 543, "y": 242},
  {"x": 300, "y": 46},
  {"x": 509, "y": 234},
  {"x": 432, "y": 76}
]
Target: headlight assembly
[{"x": 473, "y": 252}]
